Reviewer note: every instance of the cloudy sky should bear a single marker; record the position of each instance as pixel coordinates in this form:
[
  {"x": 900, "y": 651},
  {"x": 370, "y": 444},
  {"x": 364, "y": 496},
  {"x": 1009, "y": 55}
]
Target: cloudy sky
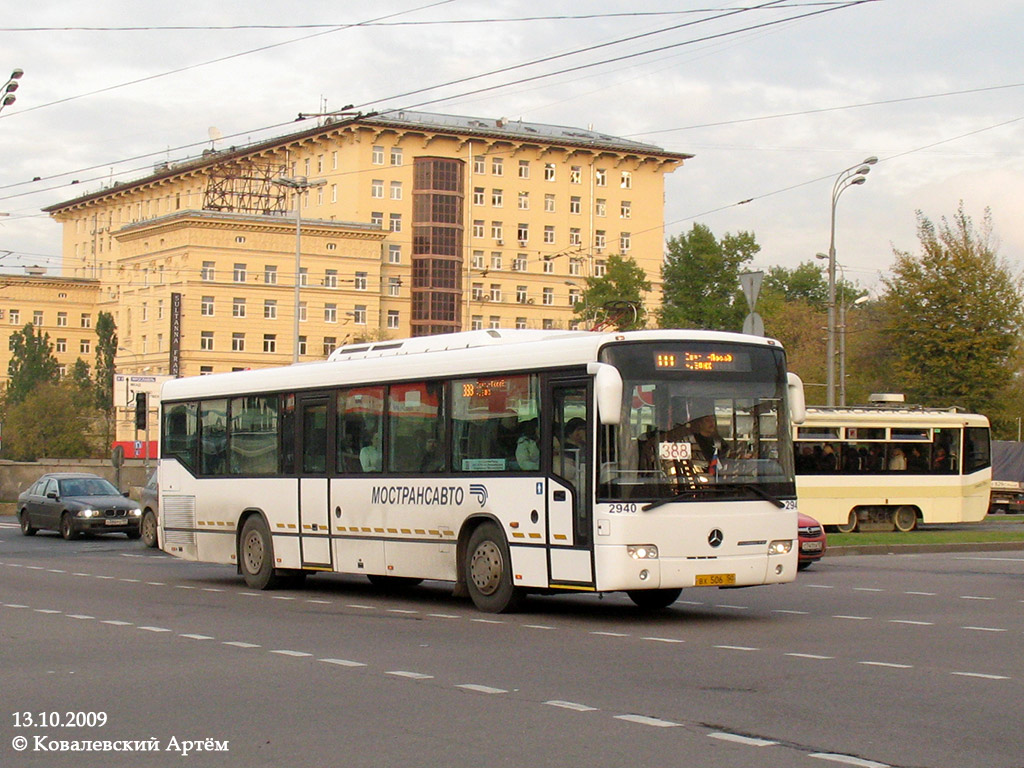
[{"x": 774, "y": 100}]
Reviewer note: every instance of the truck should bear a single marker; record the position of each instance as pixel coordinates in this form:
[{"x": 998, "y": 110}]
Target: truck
[{"x": 1007, "y": 496}]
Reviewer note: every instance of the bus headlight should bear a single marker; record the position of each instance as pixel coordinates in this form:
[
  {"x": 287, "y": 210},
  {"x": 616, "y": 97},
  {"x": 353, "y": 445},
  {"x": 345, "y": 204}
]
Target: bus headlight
[
  {"x": 642, "y": 551},
  {"x": 780, "y": 547}
]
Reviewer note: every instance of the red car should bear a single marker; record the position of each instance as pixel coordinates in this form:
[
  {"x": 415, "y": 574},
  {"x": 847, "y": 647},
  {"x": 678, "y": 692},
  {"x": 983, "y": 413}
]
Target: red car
[{"x": 812, "y": 541}]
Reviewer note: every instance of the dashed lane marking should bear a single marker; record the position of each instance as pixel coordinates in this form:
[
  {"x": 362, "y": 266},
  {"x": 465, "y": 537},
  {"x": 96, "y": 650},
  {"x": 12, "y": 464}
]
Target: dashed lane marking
[
  {"x": 980, "y": 675},
  {"x": 240, "y": 644},
  {"x": 984, "y": 629},
  {"x": 886, "y": 664},
  {"x": 480, "y": 688},
  {"x": 644, "y": 720},
  {"x": 848, "y": 760},
  {"x": 409, "y": 675},
  {"x": 750, "y": 741},
  {"x": 811, "y": 656},
  {"x": 293, "y": 654},
  {"x": 342, "y": 662},
  {"x": 574, "y": 706}
]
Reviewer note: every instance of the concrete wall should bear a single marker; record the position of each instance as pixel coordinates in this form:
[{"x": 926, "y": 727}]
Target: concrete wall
[{"x": 15, "y": 476}]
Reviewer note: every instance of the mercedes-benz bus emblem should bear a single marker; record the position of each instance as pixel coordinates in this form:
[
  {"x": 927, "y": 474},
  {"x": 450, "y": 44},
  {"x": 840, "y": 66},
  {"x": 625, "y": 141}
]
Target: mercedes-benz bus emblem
[{"x": 716, "y": 537}]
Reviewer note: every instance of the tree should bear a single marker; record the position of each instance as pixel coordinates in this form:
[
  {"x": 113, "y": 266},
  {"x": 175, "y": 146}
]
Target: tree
[
  {"x": 952, "y": 316},
  {"x": 106, "y": 351},
  {"x": 701, "y": 280},
  {"x": 623, "y": 281},
  {"x": 49, "y": 422},
  {"x": 32, "y": 363}
]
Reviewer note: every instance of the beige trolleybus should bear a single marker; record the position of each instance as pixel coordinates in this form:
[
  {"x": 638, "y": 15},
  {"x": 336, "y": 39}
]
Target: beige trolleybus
[
  {"x": 506, "y": 462},
  {"x": 892, "y": 466}
]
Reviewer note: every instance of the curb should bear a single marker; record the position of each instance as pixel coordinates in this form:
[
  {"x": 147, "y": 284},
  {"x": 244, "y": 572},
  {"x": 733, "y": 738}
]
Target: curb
[{"x": 916, "y": 549}]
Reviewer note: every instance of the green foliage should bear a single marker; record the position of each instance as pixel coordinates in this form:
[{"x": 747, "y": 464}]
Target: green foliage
[
  {"x": 701, "y": 287},
  {"x": 32, "y": 363},
  {"x": 624, "y": 281},
  {"x": 106, "y": 351},
  {"x": 953, "y": 317},
  {"x": 52, "y": 422}
]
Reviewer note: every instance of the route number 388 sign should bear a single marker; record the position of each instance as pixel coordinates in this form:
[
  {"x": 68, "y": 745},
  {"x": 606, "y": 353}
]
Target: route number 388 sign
[{"x": 674, "y": 451}]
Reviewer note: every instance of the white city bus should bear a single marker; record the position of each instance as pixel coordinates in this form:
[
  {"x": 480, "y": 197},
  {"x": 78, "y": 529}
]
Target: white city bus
[
  {"x": 892, "y": 466},
  {"x": 504, "y": 461}
]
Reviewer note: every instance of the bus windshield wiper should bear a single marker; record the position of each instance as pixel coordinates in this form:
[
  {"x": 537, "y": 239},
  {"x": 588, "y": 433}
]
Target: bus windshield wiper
[{"x": 716, "y": 488}]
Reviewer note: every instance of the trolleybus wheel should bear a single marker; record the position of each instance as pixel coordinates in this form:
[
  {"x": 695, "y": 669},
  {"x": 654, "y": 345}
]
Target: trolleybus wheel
[
  {"x": 653, "y": 599},
  {"x": 489, "y": 571},
  {"x": 905, "y": 519},
  {"x": 256, "y": 554},
  {"x": 851, "y": 523}
]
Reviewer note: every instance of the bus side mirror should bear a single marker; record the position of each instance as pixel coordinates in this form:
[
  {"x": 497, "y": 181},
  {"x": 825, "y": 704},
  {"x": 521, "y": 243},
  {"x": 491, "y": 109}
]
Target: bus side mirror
[
  {"x": 608, "y": 388},
  {"x": 797, "y": 404}
]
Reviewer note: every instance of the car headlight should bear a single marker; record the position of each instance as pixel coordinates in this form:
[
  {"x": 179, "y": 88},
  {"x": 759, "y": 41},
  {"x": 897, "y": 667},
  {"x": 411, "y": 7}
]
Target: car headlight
[
  {"x": 780, "y": 547},
  {"x": 135, "y": 512},
  {"x": 642, "y": 551},
  {"x": 88, "y": 513}
]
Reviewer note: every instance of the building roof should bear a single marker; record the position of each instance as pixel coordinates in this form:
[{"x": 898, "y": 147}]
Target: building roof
[{"x": 485, "y": 128}]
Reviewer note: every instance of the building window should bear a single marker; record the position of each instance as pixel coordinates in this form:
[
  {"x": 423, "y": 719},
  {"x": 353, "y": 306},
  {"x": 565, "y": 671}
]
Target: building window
[
  {"x": 303, "y": 276},
  {"x": 625, "y": 209},
  {"x": 270, "y": 309},
  {"x": 238, "y": 342},
  {"x": 548, "y": 296},
  {"x": 524, "y": 201},
  {"x": 330, "y": 344},
  {"x": 330, "y": 313},
  {"x": 575, "y": 204},
  {"x": 377, "y": 188},
  {"x": 549, "y": 203},
  {"x": 600, "y": 207},
  {"x": 523, "y": 232},
  {"x": 497, "y": 230},
  {"x": 270, "y": 274},
  {"x": 396, "y": 190},
  {"x": 377, "y": 156},
  {"x": 477, "y": 323},
  {"x": 575, "y": 237},
  {"x": 394, "y": 254},
  {"x": 239, "y": 273},
  {"x": 520, "y": 323},
  {"x": 270, "y": 342},
  {"x": 302, "y": 311},
  {"x": 86, "y": 320},
  {"x": 145, "y": 314},
  {"x": 574, "y": 296},
  {"x": 334, "y": 187},
  {"x": 519, "y": 265},
  {"x": 359, "y": 314},
  {"x": 159, "y": 309},
  {"x": 302, "y": 345},
  {"x": 377, "y": 218},
  {"x": 520, "y": 294},
  {"x": 478, "y": 195},
  {"x": 360, "y": 281},
  {"x": 600, "y": 268},
  {"x": 601, "y": 177},
  {"x": 549, "y": 234},
  {"x": 15, "y": 316},
  {"x": 477, "y": 291},
  {"x": 392, "y": 319},
  {"x": 332, "y": 246},
  {"x": 62, "y": 345},
  {"x": 207, "y": 272},
  {"x": 478, "y": 260},
  {"x": 37, "y": 318},
  {"x": 84, "y": 347},
  {"x": 575, "y": 175},
  {"x": 497, "y": 166},
  {"x": 330, "y": 278},
  {"x": 495, "y": 259},
  {"x": 238, "y": 307},
  {"x": 396, "y": 155},
  {"x": 524, "y": 169},
  {"x": 394, "y": 286},
  {"x": 627, "y": 180},
  {"x": 206, "y": 306},
  {"x": 497, "y": 198},
  {"x": 62, "y": 318},
  {"x": 478, "y": 228},
  {"x": 206, "y": 341},
  {"x": 479, "y": 165},
  {"x": 395, "y": 222},
  {"x": 205, "y": 370},
  {"x": 574, "y": 267},
  {"x": 625, "y": 242},
  {"x": 549, "y": 266},
  {"x": 495, "y": 321},
  {"x": 549, "y": 171}
]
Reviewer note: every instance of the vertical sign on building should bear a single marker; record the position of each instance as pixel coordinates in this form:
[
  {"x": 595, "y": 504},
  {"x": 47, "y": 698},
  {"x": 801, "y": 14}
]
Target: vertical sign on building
[{"x": 175, "y": 361}]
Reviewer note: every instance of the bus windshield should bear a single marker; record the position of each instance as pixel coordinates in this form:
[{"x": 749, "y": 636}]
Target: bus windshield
[{"x": 699, "y": 421}]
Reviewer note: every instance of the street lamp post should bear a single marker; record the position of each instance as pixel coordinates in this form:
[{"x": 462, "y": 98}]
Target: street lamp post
[
  {"x": 300, "y": 184},
  {"x": 7, "y": 96},
  {"x": 852, "y": 176},
  {"x": 842, "y": 344}
]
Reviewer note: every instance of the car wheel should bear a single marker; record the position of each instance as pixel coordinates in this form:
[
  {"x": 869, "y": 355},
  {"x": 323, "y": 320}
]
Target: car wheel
[
  {"x": 488, "y": 571},
  {"x": 148, "y": 528},
  {"x": 256, "y": 554},
  {"x": 653, "y": 599},
  {"x": 67, "y": 527},
  {"x": 804, "y": 565},
  {"x": 26, "y": 526},
  {"x": 851, "y": 523},
  {"x": 136, "y": 534}
]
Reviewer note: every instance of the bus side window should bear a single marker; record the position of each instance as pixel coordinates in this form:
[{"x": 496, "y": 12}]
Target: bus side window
[
  {"x": 416, "y": 434},
  {"x": 360, "y": 430}
]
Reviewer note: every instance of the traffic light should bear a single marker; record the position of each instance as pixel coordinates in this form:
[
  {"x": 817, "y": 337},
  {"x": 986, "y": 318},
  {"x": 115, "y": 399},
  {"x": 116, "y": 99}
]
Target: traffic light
[{"x": 141, "y": 410}]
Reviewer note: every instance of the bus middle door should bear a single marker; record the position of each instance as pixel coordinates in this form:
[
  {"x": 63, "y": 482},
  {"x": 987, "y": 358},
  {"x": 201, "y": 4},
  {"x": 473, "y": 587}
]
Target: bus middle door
[{"x": 316, "y": 435}]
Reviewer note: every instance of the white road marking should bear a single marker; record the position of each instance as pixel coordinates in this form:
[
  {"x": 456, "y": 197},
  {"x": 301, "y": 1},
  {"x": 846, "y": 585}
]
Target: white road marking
[
  {"x": 281, "y": 597},
  {"x": 571, "y": 705},
  {"x": 819, "y": 586},
  {"x": 320, "y": 602},
  {"x": 362, "y": 607},
  {"x": 401, "y": 610},
  {"x": 852, "y": 618},
  {"x": 212, "y": 589},
  {"x": 55, "y": 570},
  {"x": 480, "y": 688},
  {"x": 294, "y": 654},
  {"x": 131, "y": 581},
  {"x": 154, "y": 629},
  {"x": 239, "y": 644},
  {"x": 35, "y": 567},
  {"x": 644, "y": 720},
  {"x": 736, "y": 648},
  {"x": 410, "y": 675},
  {"x": 183, "y": 586},
  {"x": 116, "y": 623},
  {"x": 867, "y": 589},
  {"x": 610, "y": 634},
  {"x": 343, "y": 662},
  {"x": 443, "y": 616},
  {"x": 734, "y": 607},
  {"x": 914, "y": 623},
  {"x": 848, "y": 760},
  {"x": 196, "y": 637},
  {"x": 487, "y": 621},
  {"x": 750, "y": 741},
  {"x": 663, "y": 639},
  {"x": 980, "y": 675},
  {"x": 925, "y": 594},
  {"x": 105, "y": 578},
  {"x": 46, "y": 610},
  {"x": 885, "y": 664},
  {"x": 80, "y": 616},
  {"x": 984, "y": 629},
  {"x": 810, "y": 656},
  {"x": 536, "y": 626},
  {"x": 975, "y": 597},
  {"x": 792, "y": 613},
  {"x": 156, "y": 583}
]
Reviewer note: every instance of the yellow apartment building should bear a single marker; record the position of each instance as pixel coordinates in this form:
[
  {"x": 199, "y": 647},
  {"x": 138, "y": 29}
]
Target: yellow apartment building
[{"x": 410, "y": 223}]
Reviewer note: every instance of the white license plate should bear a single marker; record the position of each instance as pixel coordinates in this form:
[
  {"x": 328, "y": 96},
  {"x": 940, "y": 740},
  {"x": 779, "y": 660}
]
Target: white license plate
[
  {"x": 116, "y": 522},
  {"x": 811, "y": 546}
]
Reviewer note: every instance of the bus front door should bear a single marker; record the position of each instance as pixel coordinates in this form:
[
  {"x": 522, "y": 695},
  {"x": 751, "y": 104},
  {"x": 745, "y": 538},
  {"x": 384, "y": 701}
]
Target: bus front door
[
  {"x": 315, "y": 437},
  {"x": 569, "y": 488}
]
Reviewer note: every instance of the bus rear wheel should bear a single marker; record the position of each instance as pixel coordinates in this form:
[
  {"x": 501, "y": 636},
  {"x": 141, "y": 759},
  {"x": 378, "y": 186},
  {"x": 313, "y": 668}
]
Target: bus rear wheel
[
  {"x": 905, "y": 519},
  {"x": 256, "y": 554},
  {"x": 653, "y": 599},
  {"x": 488, "y": 571},
  {"x": 851, "y": 523}
]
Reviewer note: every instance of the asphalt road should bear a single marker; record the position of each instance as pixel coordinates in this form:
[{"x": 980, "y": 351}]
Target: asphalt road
[{"x": 910, "y": 660}]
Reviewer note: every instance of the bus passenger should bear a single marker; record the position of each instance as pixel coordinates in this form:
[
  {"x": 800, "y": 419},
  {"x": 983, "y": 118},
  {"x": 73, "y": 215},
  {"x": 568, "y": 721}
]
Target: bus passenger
[
  {"x": 370, "y": 456},
  {"x": 527, "y": 451},
  {"x": 897, "y": 460}
]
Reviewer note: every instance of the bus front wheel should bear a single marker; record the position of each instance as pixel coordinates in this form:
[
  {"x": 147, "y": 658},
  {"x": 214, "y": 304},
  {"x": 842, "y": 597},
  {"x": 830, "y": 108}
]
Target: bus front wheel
[
  {"x": 489, "y": 571},
  {"x": 256, "y": 554},
  {"x": 653, "y": 599},
  {"x": 851, "y": 523},
  {"x": 905, "y": 519}
]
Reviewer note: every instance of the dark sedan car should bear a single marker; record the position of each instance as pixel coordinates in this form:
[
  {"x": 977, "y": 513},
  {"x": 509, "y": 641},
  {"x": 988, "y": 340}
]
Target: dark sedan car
[{"x": 75, "y": 503}]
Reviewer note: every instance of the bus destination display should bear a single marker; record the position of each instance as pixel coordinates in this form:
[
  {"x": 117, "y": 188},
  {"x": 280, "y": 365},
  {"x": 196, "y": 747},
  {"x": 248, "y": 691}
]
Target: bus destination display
[{"x": 702, "y": 361}]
